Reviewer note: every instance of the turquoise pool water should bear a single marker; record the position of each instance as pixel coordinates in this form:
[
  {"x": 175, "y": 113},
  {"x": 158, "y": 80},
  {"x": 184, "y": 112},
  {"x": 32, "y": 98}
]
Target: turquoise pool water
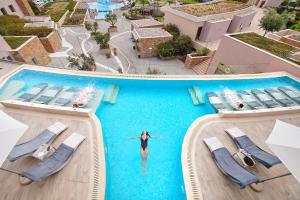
[
  {"x": 164, "y": 108},
  {"x": 103, "y": 7}
]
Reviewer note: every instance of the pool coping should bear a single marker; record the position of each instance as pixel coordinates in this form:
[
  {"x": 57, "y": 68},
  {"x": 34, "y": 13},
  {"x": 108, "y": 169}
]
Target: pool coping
[
  {"x": 188, "y": 152},
  {"x": 191, "y": 186},
  {"x": 145, "y": 76}
]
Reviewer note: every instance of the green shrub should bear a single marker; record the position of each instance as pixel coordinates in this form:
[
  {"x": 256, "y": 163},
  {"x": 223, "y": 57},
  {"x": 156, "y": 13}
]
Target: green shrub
[
  {"x": 38, "y": 31},
  {"x": 74, "y": 20},
  {"x": 201, "y": 52},
  {"x": 34, "y": 8},
  {"x": 296, "y": 27},
  {"x": 71, "y": 6},
  {"x": 166, "y": 49},
  {"x": 56, "y": 14},
  {"x": 183, "y": 45},
  {"x": 102, "y": 39},
  {"x": 172, "y": 29},
  {"x": 80, "y": 11}
]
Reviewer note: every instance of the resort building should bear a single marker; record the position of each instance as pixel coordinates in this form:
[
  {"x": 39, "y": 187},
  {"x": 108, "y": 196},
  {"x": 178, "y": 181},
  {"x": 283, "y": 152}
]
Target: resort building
[
  {"x": 208, "y": 22},
  {"x": 20, "y": 8},
  {"x": 252, "y": 53},
  {"x": 147, "y": 40},
  {"x": 145, "y": 23},
  {"x": 26, "y": 49}
]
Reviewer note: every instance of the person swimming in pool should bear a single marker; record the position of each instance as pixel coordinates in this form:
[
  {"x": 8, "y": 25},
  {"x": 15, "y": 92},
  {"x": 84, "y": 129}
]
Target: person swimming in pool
[{"x": 144, "y": 147}]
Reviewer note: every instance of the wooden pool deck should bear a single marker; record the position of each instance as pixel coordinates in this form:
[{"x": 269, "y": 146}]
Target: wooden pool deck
[
  {"x": 214, "y": 185},
  {"x": 81, "y": 177}
]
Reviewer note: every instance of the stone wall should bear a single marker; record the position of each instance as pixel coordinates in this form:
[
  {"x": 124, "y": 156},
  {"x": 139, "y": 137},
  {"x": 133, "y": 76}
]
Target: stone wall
[
  {"x": 191, "y": 61},
  {"x": 290, "y": 41},
  {"x": 31, "y": 52},
  {"x": 245, "y": 58},
  {"x": 52, "y": 42},
  {"x": 148, "y": 46},
  {"x": 25, "y": 7}
]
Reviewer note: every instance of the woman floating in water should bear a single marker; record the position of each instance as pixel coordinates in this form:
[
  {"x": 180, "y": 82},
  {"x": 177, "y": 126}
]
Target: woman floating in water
[{"x": 144, "y": 147}]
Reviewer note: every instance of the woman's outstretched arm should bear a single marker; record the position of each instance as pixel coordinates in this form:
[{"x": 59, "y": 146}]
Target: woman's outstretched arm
[{"x": 133, "y": 138}]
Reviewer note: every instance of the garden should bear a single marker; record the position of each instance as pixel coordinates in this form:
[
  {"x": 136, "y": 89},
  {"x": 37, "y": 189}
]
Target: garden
[
  {"x": 11, "y": 25},
  {"x": 179, "y": 46},
  {"x": 290, "y": 11},
  {"x": 57, "y": 9},
  {"x": 75, "y": 18},
  {"x": 277, "y": 48},
  {"x": 15, "y": 42}
]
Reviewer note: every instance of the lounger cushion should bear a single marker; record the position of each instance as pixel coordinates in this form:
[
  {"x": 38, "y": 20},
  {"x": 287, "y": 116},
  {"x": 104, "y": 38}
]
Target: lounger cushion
[
  {"x": 257, "y": 153},
  {"x": 230, "y": 167},
  {"x": 51, "y": 165},
  {"x": 29, "y": 147}
]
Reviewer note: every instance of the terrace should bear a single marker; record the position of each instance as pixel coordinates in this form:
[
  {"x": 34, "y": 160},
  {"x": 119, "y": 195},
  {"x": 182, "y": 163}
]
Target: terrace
[
  {"x": 78, "y": 180},
  {"x": 275, "y": 47},
  {"x": 210, "y": 182},
  {"x": 15, "y": 42},
  {"x": 200, "y": 10}
]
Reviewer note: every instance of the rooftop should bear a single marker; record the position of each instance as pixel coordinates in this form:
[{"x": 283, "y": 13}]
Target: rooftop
[
  {"x": 277, "y": 48},
  {"x": 151, "y": 32},
  {"x": 77, "y": 180},
  {"x": 146, "y": 22},
  {"x": 212, "y": 8},
  {"x": 16, "y": 41},
  {"x": 213, "y": 184}
]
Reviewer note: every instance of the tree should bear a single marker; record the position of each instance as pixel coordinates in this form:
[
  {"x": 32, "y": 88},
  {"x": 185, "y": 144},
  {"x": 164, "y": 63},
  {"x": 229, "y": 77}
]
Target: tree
[
  {"x": 88, "y": 26},
  {"x": 271, "y": 22},
  {"x": 94, "y": 28},
  {"x": 111, "y": 18},
  {"x": 183, "y": 45},
  {"x": 289, "y": 18},
  {"x": 102, "y": 39},
  {"x": 143, "y": 2},
  {"x": 172, "y": 29},
  {"x": 82, "y": 62}
]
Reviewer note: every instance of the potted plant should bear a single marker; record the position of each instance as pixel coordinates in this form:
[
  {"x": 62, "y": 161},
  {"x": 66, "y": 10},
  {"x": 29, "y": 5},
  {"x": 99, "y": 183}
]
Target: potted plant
[
  {"x": 103, "y": 40},
  {"x": 112, "y": 19}
]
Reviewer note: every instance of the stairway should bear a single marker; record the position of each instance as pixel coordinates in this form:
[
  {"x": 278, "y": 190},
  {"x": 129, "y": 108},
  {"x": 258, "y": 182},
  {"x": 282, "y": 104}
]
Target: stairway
[{"x": 202, "y": 67}]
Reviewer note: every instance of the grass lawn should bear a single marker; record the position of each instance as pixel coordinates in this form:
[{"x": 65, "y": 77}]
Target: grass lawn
[
  {"x": 15, "y": 42},
  {"x": 272, "y": 46},
  {"x": 190, "y": 1},
  {"x": 58, "y": 9}
]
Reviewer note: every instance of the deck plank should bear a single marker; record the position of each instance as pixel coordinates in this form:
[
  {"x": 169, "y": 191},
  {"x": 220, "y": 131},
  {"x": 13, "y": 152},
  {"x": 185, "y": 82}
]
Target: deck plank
[
  {"x": 214, "y": 185},
  {"x": 72, "y": 182}
]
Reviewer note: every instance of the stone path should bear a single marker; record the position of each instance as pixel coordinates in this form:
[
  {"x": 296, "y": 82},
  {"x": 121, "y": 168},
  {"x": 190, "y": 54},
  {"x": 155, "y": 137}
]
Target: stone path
[{"x": 78, "y": 40}]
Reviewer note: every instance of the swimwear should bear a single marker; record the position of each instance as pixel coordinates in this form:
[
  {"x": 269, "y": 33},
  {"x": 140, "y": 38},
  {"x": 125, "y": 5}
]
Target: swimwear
[{"x": 144, "y": 143}]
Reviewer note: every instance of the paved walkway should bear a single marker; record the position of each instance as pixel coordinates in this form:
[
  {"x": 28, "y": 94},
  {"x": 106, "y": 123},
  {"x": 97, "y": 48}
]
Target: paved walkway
[{"x": 77, "y": 40}]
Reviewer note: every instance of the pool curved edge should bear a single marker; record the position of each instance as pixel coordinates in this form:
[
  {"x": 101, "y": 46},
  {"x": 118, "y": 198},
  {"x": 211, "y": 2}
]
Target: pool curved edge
[
  {"x": 192, "y": 185},
  {"x": 98, "y": 190}
]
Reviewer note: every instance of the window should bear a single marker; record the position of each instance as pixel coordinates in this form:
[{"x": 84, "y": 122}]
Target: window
[
  {"x": 12, "y": 9},
  {"x": 34, "y": 61},
  {"x": 3, "y": 11}
]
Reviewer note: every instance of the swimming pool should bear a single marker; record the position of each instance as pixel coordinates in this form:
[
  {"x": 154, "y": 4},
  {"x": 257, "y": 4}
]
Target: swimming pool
[
  {"x": 103, "y": 7},
  {"x": 164, "y": 108}
]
